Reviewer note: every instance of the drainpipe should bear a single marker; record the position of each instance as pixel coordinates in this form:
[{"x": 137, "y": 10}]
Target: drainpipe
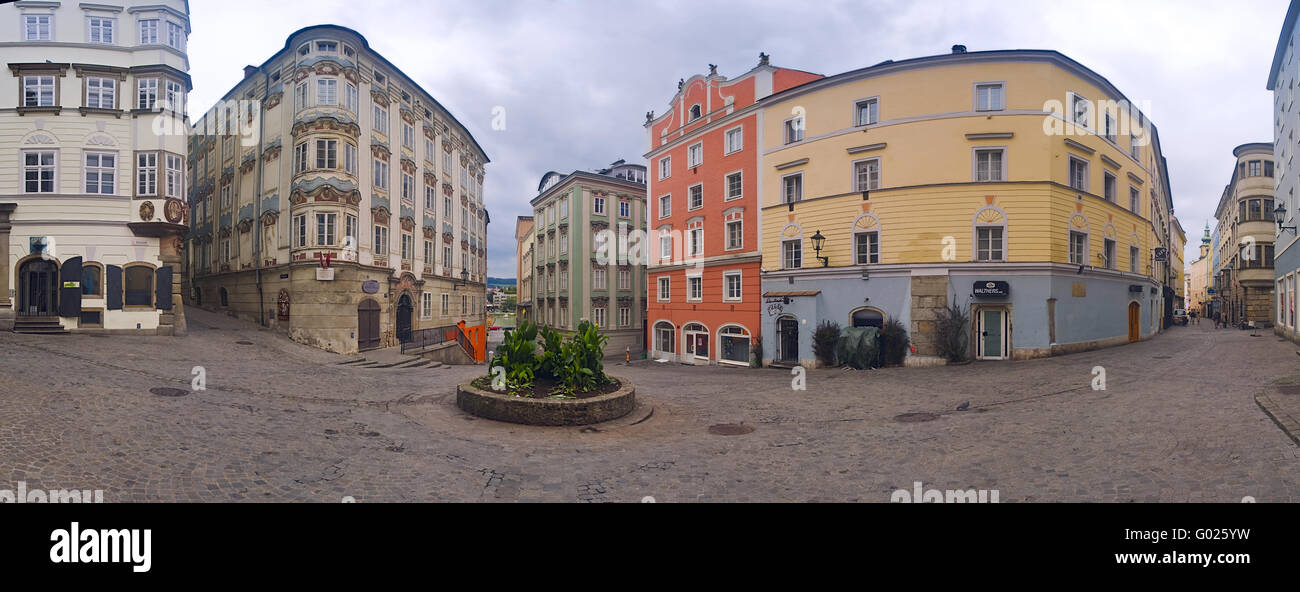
[{"x": 257, "y": 200}]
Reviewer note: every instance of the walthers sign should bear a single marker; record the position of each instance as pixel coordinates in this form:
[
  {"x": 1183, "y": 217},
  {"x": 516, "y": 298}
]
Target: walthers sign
[{"x": 992, "y": 289}]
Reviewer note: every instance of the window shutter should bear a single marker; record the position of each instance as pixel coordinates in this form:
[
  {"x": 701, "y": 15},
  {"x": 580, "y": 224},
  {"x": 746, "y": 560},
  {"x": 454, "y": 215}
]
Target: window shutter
[
  {"x": 113, "y": 287},
  {"x": 163, "y": 288},
  {"x": 70, "y": 298}
]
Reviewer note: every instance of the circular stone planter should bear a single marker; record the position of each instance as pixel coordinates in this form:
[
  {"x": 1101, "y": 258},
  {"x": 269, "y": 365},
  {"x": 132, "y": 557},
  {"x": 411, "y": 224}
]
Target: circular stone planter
[{"x": 547, "y": 412}]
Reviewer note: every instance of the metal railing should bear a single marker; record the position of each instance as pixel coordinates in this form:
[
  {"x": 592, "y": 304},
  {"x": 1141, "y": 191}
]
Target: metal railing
[
  {"x": 465, "y": 343},
  {"x": 422, "y": 338}
]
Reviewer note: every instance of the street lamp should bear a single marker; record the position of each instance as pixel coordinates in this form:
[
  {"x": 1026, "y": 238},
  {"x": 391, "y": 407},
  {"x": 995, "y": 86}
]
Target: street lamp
[
  {"x": 1279, "y": 215},
  {"x": 464, "y": 279},
  {"x": 818, "y": 240}
]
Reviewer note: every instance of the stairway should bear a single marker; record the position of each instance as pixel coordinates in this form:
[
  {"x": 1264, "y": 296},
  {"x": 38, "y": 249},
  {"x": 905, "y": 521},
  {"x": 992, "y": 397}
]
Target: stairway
[
  {"x": 406, "y": 363},
  {"x": 39, "y": 325}
]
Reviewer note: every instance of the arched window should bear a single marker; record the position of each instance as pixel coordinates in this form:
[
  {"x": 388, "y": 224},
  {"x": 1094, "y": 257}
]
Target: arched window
[
  {"x": 866, "y": 240},
  {"x": 225, "y": 297},
  {"x": 1079, "y": 247},
  {"x": 92, "y": 280},
  {"x": 695, "y": 337},
  {"x": 137, "y": 285},
  {"x": 695, "y": 111},
  {"x": 867, "y": 317},
  {"x": 733, "y": 344},
  {"x": 989, "y": 234},
  {"x": 664, "y": 332}
]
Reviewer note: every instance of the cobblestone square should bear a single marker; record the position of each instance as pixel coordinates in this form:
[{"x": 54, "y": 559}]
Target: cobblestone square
[{"x": 279, "y": 421}]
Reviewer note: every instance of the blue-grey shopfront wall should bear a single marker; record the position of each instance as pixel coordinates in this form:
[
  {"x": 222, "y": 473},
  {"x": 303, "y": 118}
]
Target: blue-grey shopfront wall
[
  {"x": 838, "y": 299},
  {"x": 1284, "y": 263}
]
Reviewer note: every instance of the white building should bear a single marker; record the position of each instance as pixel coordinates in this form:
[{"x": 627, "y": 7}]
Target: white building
[
  {"x": 1282, "y": 79},
  {"x": 92, "y": 173}
]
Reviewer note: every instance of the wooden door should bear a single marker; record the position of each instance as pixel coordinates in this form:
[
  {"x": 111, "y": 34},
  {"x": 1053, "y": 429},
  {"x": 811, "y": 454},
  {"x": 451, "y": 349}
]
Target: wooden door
[
  {"x": 1134, "y": 321},
  {"x": 367, "y": 324}
]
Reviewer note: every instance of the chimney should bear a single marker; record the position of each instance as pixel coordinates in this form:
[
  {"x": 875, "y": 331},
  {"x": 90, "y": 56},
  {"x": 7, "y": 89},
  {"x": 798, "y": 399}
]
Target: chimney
[
  {"x": 959, "y": 49},
  {"x": 249, "y": 70}
]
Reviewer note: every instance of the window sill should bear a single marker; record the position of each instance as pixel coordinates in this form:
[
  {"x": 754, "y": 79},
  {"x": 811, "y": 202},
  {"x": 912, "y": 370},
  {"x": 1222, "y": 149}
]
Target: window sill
[
  {"x": 53, "y": 109},
  {"x": 99, "y": 111}
]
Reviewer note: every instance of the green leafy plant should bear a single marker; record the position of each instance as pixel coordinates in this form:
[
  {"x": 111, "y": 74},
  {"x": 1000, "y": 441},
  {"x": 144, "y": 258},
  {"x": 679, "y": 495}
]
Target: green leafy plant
[
  {"x": 581, "y": 366},
  {"x": 951, "y": 328},
  {"x": 893, "y": 342},
  {"x": 517, "y": 354},
  {"x": 824, "y": 340},
  {"x": 549, "y": 361}
]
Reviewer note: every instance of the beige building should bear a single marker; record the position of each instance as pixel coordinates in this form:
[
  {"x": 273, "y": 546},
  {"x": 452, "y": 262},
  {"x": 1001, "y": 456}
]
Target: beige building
[
  {"x": 327, "y": 152},
  {"x": 92, "y": 193},
  {"x": 575, "y": 278},
  {"x": 1243, "y": 281},
  {"x": 1198, "y": 277},
  {"x": 524, "y": 267}
]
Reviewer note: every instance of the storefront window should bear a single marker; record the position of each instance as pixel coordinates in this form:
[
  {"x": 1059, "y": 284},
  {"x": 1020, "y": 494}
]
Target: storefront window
[{"x": 734, "y": 345}]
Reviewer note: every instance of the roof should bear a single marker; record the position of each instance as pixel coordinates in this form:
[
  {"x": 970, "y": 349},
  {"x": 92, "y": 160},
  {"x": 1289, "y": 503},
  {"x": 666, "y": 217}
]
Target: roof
[
  {"x": 589, "y": 176},
  {"x": 1288, "y": 24},
  {"x": 785, "y": 294}
]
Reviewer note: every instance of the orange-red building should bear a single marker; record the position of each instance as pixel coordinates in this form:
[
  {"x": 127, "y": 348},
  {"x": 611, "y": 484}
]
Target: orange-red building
[{"x": 702, "y": 189}]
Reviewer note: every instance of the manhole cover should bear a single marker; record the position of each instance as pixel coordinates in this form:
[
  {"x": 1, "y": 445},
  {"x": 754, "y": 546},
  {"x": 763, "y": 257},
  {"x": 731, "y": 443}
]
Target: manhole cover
[
  {"x": 244, "y": 342},
  {"x": 916, "y": 417},
  {"x": 1289, "y": 389},
  {"x": 166, "y": 391},
  {"x": 730, "y": 429}
]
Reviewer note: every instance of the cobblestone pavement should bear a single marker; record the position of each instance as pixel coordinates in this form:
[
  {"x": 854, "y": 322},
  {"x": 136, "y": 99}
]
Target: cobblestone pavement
[{"x": 283, "y": 422}]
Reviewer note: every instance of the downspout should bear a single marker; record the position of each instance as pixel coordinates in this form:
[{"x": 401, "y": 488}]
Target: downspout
[{"x": 257, "y": 200}]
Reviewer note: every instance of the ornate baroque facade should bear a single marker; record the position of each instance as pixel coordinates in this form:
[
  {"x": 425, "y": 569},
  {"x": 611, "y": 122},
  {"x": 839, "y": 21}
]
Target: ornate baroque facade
[
  {"x": 329, "y": 151},
  {"x": 92, "y": 186}
]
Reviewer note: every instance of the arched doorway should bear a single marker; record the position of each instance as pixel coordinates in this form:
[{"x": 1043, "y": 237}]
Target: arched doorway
[
  {"x": 787, "y": 340},
  {"x": 367, "y": 324},
  {"x": 38, "y": 288},
  {"x": 695, "y": 338},
  {"x": 404, "y": 308},
  {"x": 663, "y": 337},
  {"x": 1134, "y": 321}
]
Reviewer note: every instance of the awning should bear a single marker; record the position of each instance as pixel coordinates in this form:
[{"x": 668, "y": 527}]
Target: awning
[{"x": 785, "y": 294}]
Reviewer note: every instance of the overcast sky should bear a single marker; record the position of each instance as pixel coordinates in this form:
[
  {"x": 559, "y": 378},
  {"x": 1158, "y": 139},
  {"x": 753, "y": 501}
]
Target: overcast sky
[{"x": 576, "y": 77}]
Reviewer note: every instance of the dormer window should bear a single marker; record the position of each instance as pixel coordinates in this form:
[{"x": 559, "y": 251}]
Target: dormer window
[
  {"x": 379, "y": 78},
  {"x": 305, "y": 49},
  {"x": 695, "y": 112},
  {"x": 327, "y": 46},
  {"x": 406, "y": 98},
  {"x": 348, "y": 51}
]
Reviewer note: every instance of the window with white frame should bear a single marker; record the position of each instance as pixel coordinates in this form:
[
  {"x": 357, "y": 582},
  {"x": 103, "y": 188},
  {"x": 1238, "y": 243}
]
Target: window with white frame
[
  {"x": 1134, "y": 199},
  {"x": 624, "y": 279},
  {"x": 175, "y": 36},
  {"x": 300, "y": 230},
  {"x": 598, "y": 315},
  {"x": 148, "y": 31},
  {"x": 694, "y": 288},
  {"x": 791, "y": 254},
  {"x": 1133, "y": 258},
  {"x": 867, "y": 112},
  {"x": 1108, "y": 253},
  {"x": 38, "y": 171},
  {"x": 380, "y": 122},
  {"x": 665, "y": 206},
  {"x": 1080, "y": 110},
  {"x": 793, "y": 130},
  {"x": 731, "y": 286},
  {"x": 428, "y": 252},
  {"x": 989, "y": 165},
  {"x": 146, "y": 93},
  {"x": 408, "y": 186},
  {"x": 624, "y": 208},
  {"x": 695, "y": 244},
  {"x": 1109, "y": 127},
  {"x": 597, "y": 206},
  {"x": 325, "y": 225},
  {"x": 624, "y": 316},
  {"x": 381, "y": 173},
  {"x": 866, "y": 174},
  {"x": 408, "y": 135},
  {"x": 146, "y": 173},
  {"x": 101, "y": 93},
  {"x": 598, "y": 279},
  {"x": 988, "y": 242},
  {"x": 695, "y": 155},
  {"x": 735, "y": 185},
  {"x": 350, "y": 231},
  {"x": 988, "y": 96},
  {"x": 426, "y": 306},
  {"x": 300, "y": 152},
  {"x": 101, "y": 173},
  {"x": 408, "y": 246},
  {"x": 38, "y": 91},
  {"x": 1109, "y": 187},
  {"x": 564, "y": 242},
  {"x": 735, "y": 234},
  {"x": 381, "y": 240},
  {"x": 564, "y": 207},
  {"x": 327, "y": 91},
  {"x": 37, "y": 27},
  {"x": 735, "y": 139},
  {"x": 665, "y": 244},
  {"x": 1078, "y": 248},
  {"x": 226, "y": 192},
  {"x": 349, "y": 158},
  {"x": 664, "y": 293},
  {"x": 174, "y": 181},
  {"x": 866, "y": 247},
  {"x": 792, "y": 188},
  {"x": 696, "y": 194},
  {"x": 665, "y": 167},
  {"x": 327, "y": 154},
  {"x": 1078, "y": 174},
  {"x": 300, "y": 96}
]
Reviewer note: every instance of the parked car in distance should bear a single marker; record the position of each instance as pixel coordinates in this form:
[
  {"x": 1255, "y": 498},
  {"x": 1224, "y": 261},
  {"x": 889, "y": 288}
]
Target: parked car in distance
[{"x": 1180, "y": 316}]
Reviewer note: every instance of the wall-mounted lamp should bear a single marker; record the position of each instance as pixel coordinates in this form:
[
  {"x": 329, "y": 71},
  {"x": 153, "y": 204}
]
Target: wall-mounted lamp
[
  {"x": 1279, "y": 215},
  {"x": 818, "y": 240},
  {"x": 464, "y": 279}
]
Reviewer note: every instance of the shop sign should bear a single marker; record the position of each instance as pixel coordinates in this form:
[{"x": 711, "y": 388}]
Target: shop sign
[
  {"x": 370, "y": 287},
  {"x": 994, "y": 289}
]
